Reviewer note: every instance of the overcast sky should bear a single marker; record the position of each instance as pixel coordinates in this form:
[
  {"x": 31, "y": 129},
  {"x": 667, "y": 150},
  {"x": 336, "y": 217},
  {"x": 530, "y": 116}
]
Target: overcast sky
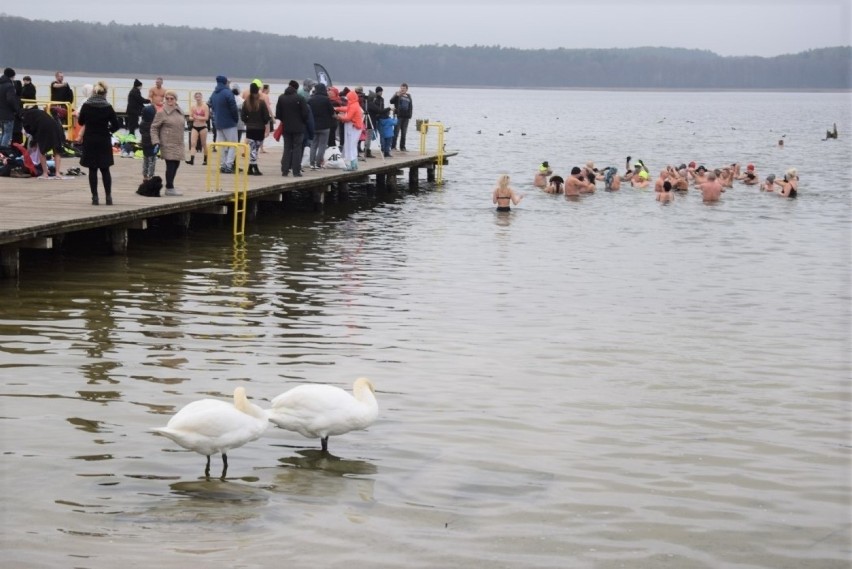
[{"x": 726, "y": 27}]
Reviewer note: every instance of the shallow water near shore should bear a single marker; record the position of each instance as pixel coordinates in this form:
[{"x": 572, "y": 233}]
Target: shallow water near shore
[{"x": 607, "y": 382}]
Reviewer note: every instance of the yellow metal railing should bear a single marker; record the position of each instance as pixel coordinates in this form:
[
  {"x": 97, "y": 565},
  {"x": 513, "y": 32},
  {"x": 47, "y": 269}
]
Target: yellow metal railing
[
  {"x": 240, "y": 177},
  {"x": 425, "y": 125}
]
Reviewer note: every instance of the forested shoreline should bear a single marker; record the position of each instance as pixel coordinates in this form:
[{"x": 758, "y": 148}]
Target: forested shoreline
[{"x": 119, "y": 49}]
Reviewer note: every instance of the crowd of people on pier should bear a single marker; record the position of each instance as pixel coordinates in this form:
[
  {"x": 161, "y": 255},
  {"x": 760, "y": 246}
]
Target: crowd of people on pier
[
  {"x": 671, "y": 180},
  {"x": 310, "y": 118}
]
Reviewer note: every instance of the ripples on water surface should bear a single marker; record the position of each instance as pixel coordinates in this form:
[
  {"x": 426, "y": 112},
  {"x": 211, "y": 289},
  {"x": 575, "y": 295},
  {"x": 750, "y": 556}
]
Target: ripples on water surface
[{"x": 602, "y": 383}]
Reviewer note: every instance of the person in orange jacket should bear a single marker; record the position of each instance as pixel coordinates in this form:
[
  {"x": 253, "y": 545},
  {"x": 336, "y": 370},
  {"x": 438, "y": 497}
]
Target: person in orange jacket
[{"x": 352, "y": 117}]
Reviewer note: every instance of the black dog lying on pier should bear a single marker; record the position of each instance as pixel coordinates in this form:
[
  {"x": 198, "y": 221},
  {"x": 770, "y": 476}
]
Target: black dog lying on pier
[{"x": 151, "y": 188}]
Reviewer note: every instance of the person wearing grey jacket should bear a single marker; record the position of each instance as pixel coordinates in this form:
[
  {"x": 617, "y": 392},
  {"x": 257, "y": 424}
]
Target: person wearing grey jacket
[{"x": 323, "y": 113}]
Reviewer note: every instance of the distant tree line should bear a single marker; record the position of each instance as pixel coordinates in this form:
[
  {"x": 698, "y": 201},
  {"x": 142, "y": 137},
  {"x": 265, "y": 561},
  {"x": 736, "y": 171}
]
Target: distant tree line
[{"x": 182, "y": 51}]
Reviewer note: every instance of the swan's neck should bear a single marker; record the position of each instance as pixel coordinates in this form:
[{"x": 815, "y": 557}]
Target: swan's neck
[
  {"x": 363, "y": 393},
  {"x": 242, "y": 403}
]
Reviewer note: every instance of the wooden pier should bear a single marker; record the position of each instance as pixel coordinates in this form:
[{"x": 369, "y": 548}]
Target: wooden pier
[{"x": 37, "y": 214}]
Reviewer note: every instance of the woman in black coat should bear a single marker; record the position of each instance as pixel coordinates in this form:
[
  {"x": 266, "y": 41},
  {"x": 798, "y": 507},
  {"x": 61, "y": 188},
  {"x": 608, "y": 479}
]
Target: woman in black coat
[
  {"x": 46, "y": 134},
  {"x": 99, "y": 118},
  {"x": 135, "y": 103}
]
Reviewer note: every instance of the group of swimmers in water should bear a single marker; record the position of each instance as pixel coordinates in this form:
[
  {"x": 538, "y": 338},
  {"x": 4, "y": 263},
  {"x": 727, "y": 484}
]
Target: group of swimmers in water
[{"x": 711, "y": 183}]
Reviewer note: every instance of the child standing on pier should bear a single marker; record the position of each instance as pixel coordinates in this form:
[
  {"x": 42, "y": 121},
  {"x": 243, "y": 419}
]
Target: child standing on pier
[
  {"x": 386, "y": 126},
  {"x": 149, "y": 156}
]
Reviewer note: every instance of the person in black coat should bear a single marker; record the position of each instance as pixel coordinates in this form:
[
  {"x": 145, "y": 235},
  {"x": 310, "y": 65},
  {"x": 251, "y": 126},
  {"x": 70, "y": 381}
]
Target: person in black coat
[
  {"x": 99, "y": 118},
  {"x": 324, "y": 121},
  {"x": 375, "y": 106},
  {"x": 28, "y": 90},
  {"x": 47, "y": 134},
  {"x": 292, "y": 110},
  {"x": 10, "y": 106},
  {"x": 135, "y": 103}
]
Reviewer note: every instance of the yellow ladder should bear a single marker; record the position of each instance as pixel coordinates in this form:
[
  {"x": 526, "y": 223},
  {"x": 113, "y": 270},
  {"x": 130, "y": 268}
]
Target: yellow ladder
[
  {"x": 214, "y": 179},
  {"x": 424, "y": 130}
]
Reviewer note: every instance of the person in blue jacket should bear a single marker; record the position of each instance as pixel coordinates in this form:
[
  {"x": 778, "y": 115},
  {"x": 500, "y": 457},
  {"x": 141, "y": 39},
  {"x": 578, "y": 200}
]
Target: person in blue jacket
[
  {"x": 387, "y": 124},
  {"x": 224, "y": 107}
]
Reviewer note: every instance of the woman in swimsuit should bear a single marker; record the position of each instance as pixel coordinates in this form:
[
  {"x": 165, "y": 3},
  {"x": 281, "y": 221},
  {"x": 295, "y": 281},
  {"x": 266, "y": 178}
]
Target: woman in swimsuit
[
  {"x": 556, "y": 185},
  {"x": 503, "y": 195},
  {"x": 200, "y": 114},
  {"x": 790, "y": 184}
]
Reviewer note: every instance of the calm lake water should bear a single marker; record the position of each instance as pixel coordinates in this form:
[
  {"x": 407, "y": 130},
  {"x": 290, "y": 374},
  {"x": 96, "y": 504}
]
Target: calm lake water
[{"x": 602, "y": 383}]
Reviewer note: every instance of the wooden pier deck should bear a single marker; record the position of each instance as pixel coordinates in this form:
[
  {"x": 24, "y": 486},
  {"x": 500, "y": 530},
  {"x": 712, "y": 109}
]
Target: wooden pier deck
[{"x": 36, "y": 213}]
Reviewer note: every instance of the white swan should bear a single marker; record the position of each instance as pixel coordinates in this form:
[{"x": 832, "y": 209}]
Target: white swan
[
  {"x": 320, "y": 411},
  {"x": 209, "y": 426}
]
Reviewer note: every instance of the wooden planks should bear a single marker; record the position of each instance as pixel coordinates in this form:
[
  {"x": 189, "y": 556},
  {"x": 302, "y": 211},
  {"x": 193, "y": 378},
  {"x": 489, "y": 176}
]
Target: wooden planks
[{"x": 33, "y": 208}]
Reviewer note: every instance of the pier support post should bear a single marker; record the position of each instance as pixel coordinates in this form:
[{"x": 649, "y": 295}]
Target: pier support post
[
  {"x": 381, "y": 182},
  {"x": 117, "y": 237},
  {"x": 343, "y": 191},
  {"x": 319, "y": 198},
  {"x": 182, "y": 220},
  {"x": 9, "y": 262},
  {"x": 251, "y": 210},
  {"x": 413, "y": 177},
  {"x": 430, "y": 174}
]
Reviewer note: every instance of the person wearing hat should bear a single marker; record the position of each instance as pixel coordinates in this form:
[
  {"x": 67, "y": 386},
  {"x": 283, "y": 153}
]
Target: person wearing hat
[
  {"x": 322, "y": 111},
  {"x": 750, "y": 177},
  {"x": 224, "y": 107},
  {"x": 135, "y": 103},
  {"x": 640, "y": 180},
  {"x": 699, "y": 175},
  {"x": 10, "y": 105},
  {"x": 540, "y": 178}
]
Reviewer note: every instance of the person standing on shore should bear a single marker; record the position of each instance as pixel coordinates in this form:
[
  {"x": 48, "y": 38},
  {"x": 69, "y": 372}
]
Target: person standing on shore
[
  {"x": 99, "y": 118},
  {"x": 167, "y": 137}
]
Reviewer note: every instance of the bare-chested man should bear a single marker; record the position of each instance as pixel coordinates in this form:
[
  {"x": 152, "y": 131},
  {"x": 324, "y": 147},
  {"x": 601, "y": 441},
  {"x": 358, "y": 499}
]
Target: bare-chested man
[
  {"x": 157, "y": 94},
  {"x": 577, "y": 183},
  {"x": 663, "y": 178},
  {"x": 711, "y": 189}
]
